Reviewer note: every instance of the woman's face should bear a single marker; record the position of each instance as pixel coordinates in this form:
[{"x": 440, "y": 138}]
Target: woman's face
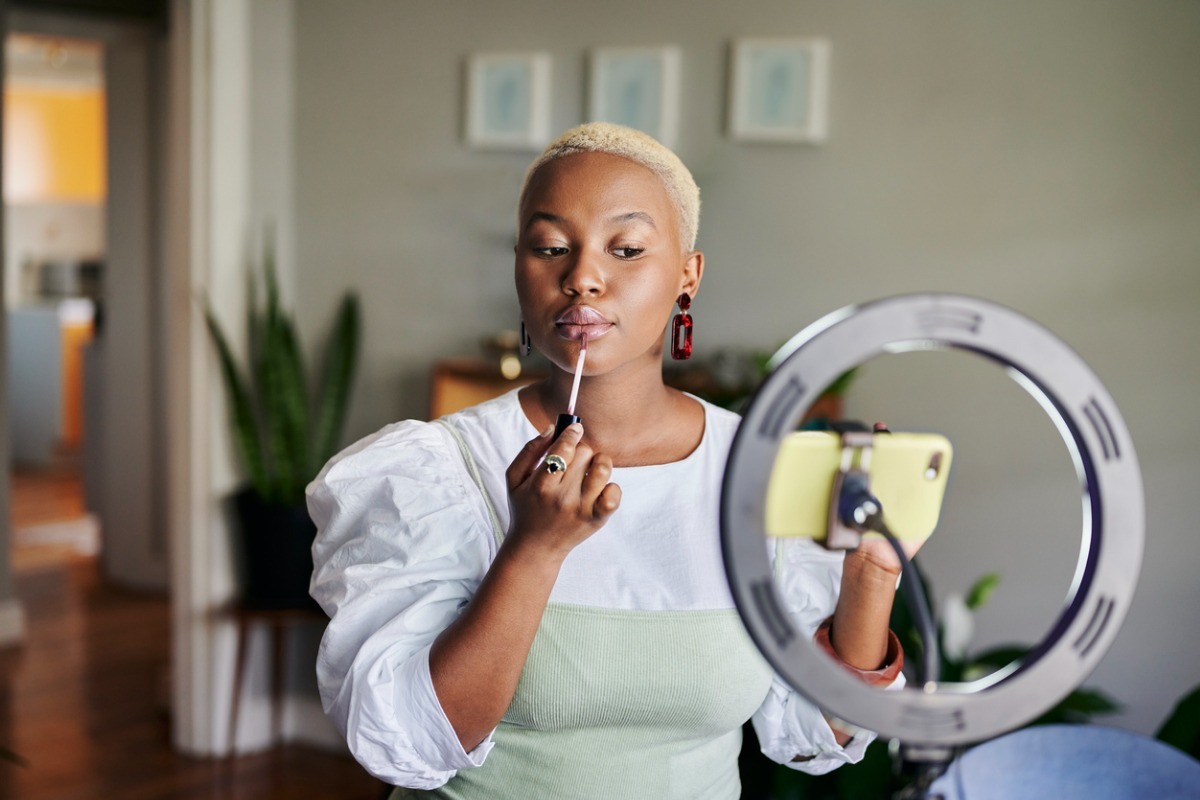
[{"x": 599, "y": 253}]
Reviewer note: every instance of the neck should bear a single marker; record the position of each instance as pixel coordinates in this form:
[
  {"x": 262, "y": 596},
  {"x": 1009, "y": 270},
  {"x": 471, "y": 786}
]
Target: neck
[{"x": 629, "y": 414}]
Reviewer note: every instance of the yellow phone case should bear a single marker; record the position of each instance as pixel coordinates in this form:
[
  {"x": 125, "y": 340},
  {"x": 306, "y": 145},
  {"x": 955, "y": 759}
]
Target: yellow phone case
[{"x": 908, "y": 473}]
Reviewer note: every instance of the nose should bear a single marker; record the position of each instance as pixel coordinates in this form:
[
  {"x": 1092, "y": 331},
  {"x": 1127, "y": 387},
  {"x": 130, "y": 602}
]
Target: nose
[{"x": 583, "y": 276}]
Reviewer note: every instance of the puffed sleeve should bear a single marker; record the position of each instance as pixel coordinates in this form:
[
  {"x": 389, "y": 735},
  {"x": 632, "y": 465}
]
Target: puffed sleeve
[
  {"x": 401, "y": 546},
  {"x": 787, "y": 724}
]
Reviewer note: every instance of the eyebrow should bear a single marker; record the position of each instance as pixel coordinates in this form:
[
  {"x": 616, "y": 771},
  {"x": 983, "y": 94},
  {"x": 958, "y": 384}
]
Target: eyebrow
[
  {"x": 546, "y": 216},
  {"x": 542, "y": 216},
  {"x": 638, "y": 215}
]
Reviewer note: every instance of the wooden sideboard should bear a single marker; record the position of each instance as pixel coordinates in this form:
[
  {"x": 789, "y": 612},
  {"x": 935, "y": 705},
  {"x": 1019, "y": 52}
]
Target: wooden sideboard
[{"x": 461, "y": 382}]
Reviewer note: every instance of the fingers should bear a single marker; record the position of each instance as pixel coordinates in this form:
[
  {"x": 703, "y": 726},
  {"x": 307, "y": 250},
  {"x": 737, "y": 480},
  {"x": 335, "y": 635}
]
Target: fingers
[
  {"x": 911, "y": 546},
  {"x": 580, "y": 493},
  {"x": 527, "y": 460},
  {"x": 582, "y": 489},
  {"x": 565, "y": 444},
  {"x": 578, "y": 457},
  {"x": 608, "y": 501},
  {"x": 594, "y": 484},
  {"x": 565, "y": 448},
  {"x": 585, "y": 485}
]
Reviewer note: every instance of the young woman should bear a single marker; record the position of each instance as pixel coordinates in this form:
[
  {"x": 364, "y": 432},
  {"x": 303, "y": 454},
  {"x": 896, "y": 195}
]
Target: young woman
[{"x": 514, "y": 615}]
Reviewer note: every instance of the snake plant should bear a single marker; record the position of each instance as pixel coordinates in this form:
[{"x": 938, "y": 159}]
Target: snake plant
[{"x": 283, "y": 432}]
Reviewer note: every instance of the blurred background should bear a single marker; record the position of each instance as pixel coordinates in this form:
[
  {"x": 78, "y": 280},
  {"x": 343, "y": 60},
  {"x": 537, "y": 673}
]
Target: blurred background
[{"x": 1043, "y": 155}]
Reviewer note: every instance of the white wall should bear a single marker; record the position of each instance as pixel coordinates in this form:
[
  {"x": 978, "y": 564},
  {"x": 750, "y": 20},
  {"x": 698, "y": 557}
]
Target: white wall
[
  {"x": 35, "y": 232},
  {"x": 236, "y": 61},
  {"x": 1042, "y": 155}
]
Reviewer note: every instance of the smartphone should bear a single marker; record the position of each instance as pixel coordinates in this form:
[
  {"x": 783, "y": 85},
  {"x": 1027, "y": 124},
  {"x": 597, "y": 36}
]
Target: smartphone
[{"x": 908, "y": 473}]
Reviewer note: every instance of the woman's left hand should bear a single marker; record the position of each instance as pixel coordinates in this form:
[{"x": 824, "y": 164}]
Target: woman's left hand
[
  {"x": 875, "y": 551},
  {"x": 860, "y": 620}
]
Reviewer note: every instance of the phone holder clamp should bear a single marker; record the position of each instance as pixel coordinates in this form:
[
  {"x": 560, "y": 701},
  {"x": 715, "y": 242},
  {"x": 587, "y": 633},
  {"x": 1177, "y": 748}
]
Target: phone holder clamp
[{"x": 851, "y": 504}]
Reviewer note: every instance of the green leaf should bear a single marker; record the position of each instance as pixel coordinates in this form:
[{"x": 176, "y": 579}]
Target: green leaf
[
  {"x": 294, "y": 409},
  {"x": 871, "y": 777},
  {"x": 1182, "y": 728},
  {"x": 282, "y": 439},
  {"x": 336, "y": 380},
  {"x": 1090, "y": 701},
  {"x": 790, "y": 784},
  {"x": 980, "y": 665},
  {"x": 999, "y": 656},
  {"x": 255, "y": 329},
  {"x": 277, "y": 408},
  {"x": 1079, "y": 707},
  {"x": 257, "y": 336},
  {"x": 841, "y": 384},
  {"x": 245, "y": 427},
  {"x": 982, "y": 590}
]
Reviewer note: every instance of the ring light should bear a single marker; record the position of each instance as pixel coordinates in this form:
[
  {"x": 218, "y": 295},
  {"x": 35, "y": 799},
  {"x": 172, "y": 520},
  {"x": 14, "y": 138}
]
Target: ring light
[{"x": 1113, "y": 515}]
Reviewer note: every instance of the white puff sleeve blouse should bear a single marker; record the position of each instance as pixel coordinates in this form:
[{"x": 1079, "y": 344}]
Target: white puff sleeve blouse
[{"x": 405, "y": 537}]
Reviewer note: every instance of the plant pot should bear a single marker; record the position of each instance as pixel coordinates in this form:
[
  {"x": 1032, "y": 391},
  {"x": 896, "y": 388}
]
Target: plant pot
[
  {"x": 276, "y": 549},
  {"x": 825, "y": 409}
]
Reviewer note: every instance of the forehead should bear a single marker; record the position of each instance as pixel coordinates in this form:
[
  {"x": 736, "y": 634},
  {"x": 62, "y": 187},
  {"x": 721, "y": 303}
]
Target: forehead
[{"x": 600, "y": 182}]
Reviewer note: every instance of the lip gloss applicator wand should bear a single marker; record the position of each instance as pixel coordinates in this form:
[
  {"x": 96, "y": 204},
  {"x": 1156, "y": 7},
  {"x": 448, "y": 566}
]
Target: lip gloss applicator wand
[{"x": 565, "y": 420}]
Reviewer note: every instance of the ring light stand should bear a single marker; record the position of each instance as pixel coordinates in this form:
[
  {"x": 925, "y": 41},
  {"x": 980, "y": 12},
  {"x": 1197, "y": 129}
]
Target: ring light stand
[{"x": 929, "y": 721}]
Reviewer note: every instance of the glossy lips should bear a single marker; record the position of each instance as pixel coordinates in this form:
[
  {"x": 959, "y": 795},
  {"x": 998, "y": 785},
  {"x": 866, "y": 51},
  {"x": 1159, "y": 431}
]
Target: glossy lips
[{"x": 578, "y": 320}]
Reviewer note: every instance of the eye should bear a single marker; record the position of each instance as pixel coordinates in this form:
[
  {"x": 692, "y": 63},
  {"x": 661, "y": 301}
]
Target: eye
[
  {"x": 550, "y": 252},
  {"x": 628, "y": 252}
]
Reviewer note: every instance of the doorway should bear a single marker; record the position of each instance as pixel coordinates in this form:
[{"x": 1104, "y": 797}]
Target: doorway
[
  {"x": 55, "y": 197},
  {"x": 90, "y": 254}
]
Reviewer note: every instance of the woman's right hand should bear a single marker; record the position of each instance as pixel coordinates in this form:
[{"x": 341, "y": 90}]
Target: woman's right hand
[
  {"x": 558, "y": 510},
  {"x": 476, "y": 663}
]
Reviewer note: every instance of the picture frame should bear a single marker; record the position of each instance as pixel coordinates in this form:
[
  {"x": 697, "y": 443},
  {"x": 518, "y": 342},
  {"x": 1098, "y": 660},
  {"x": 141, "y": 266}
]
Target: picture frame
[
  {"x": 508, "y": 101},
  {"x": 779, "y": 90},
  {"x": 637, "y": 87}
]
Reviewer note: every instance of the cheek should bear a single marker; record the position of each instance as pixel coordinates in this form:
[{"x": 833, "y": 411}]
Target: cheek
[
  {"x": 526, "y": 298},
  {"x": 654, "y": 295},
  {"x": 530, "y": 282},
  {"x": 520, "y": 281}
]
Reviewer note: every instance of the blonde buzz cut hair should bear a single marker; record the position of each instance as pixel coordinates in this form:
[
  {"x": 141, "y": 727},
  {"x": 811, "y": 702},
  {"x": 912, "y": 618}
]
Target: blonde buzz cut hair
[{"x": 640, "y": 148}]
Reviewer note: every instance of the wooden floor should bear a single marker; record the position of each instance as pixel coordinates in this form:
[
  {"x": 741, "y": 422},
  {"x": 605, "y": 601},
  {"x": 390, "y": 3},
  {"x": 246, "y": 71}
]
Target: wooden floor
[{"x": 83, "y": 699}]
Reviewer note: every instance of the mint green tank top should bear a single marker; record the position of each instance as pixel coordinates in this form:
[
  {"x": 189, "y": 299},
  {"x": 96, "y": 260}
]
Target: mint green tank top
[{"x": 623, "y": 704}]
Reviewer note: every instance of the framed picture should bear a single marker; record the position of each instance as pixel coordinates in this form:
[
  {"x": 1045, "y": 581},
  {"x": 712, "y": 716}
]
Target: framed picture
[
  {"x": 638, "y": 87},
  {"x": 508, "y": 101},
  {"x": 779, "y": 90}
]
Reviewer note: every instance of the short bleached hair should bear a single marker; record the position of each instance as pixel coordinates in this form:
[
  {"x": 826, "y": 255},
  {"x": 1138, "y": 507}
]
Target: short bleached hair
[{"x": 640, "y": 148}]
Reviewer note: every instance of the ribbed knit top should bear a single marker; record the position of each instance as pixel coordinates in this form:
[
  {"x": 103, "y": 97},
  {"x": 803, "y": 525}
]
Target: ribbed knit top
[{"x": 623, "y": 704}]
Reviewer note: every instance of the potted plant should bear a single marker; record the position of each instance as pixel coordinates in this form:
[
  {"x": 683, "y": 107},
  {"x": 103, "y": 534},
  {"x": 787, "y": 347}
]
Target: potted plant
[
  {"x": 283, "y": 433},
  {"x": 730, "y": 377}
]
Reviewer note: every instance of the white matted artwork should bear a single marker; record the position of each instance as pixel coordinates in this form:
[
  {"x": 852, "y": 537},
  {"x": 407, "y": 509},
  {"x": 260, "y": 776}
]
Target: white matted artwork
[
  {"x": 638, "y": 87},
  {"x": 508, "y": 101},
  {"x": 779, "y": 90}
]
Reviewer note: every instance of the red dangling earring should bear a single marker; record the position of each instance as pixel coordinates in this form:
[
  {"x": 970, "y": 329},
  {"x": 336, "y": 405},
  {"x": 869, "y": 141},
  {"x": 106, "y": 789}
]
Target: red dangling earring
[{"x": 681, "y": 330}]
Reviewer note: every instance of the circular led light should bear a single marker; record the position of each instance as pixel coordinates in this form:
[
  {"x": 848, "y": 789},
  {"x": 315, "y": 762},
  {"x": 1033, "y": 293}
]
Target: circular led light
[{"x": 1113, "y": 515}]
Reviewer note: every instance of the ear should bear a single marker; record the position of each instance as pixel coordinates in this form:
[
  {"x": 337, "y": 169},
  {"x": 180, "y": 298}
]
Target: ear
[{"x": 693, "y": 271}]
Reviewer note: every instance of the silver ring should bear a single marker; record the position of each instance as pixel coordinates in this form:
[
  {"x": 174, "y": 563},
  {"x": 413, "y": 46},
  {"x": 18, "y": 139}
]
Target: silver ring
[{"x": 554, "y": 463}]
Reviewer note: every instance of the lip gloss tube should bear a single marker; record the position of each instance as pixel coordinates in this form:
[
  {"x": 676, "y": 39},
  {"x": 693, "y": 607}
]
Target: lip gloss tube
[{"x": 566, "y": 420}]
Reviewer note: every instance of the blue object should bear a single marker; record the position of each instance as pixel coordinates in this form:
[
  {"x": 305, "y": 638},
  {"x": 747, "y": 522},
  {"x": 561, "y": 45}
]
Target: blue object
[{"x": 1071, "y": 762}]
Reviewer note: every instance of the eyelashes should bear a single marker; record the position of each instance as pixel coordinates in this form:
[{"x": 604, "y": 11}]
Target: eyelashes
[{"x": 623, "y": 253}]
